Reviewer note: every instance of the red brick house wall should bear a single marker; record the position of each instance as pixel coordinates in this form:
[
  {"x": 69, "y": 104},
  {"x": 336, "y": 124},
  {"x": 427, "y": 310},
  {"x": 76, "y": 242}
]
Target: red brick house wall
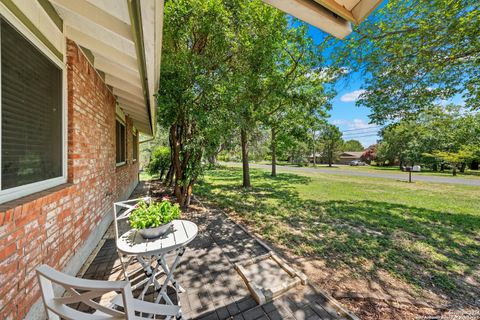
[{"x": 53, "y": 226}]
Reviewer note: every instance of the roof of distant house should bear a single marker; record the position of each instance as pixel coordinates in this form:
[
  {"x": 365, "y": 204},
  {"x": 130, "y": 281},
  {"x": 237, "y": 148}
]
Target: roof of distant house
[{"x": 351, "y": 154}]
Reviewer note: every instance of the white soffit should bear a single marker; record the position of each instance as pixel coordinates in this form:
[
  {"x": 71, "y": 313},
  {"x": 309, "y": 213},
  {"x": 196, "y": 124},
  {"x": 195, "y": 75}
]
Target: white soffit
[{"x": 104, "y": 28}]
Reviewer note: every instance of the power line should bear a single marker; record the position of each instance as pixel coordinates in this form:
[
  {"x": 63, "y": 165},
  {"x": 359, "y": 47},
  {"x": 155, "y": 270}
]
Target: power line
[
  {"x": 360, "y": 133},
  {"x": 364, "y": 136},
  {"x": 360, "y": 129}
]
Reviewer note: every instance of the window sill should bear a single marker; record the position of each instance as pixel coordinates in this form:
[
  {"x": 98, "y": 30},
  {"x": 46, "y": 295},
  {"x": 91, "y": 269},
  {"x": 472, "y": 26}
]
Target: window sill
[
  {"x": 120, "y": 164},
  {"x": 32, "y": 197}
]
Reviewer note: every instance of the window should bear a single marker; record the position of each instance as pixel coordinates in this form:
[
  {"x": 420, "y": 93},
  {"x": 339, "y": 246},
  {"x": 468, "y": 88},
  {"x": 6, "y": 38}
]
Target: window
[
  {"x": 135, "y": 146},
  {"x": 32, "y": 147},
  {"x": 120, "y": 143}
]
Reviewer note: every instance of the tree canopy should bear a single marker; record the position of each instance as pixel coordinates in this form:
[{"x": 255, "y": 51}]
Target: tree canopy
[{"x": 414, "y": 54}]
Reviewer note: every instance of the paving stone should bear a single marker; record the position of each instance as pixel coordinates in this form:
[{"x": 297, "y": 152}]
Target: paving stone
[
  {"x": 238, "y": 317},
  {"x": 233, "y": 309},
  {"x": 222, "y": 313},
  {"x": 210, "y": 316},
  {"x": 254, "y": 313},
  {"x": 213, "y": 288},
  {"x": 246, "y": 304}
]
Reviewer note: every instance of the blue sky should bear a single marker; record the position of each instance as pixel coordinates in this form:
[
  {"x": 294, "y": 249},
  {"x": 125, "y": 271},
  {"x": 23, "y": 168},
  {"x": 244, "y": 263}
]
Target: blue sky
[{"x": 352, "y": 120}]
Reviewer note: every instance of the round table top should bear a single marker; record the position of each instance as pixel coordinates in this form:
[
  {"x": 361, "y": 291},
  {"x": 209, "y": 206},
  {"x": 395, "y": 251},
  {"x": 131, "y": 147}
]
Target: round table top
[{"x": 180, "y": 234}]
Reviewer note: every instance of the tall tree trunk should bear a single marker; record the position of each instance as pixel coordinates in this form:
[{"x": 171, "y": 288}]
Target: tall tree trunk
[
  {"x": 462, "y": 167},
  {"x": 313, "y": 152},
  {"x": 274, "y": 152},
  {"x": 454, "y": 169},
  {"x": 170, "y": 173},
  {"x": 245, "y": 167}
]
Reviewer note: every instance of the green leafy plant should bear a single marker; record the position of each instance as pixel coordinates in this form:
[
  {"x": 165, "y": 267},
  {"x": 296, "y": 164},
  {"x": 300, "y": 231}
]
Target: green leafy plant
[{"x": 153, "y": 215}]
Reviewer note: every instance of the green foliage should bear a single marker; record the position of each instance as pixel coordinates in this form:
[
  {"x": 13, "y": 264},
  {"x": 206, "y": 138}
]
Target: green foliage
[
  {"x": 447, "y": 130},
  {"x": 353, "y": 145},
  {"x": 228, "y": 66},
  {"x": 150, "y": 216},
  {"x": 414, "y": 54},
  {"x": 331, "y": 142},
  {"x": 197, "y": 48},
  {"x": 159, "y": 161},
  {"x": 454, "y": 158}
]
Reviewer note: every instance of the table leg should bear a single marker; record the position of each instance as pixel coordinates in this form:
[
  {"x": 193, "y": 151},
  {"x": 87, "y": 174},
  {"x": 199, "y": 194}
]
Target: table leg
[
  {"x": 170, "y": 278},
  {"x": 166, "y": 269},
  {"x": 150, "y": 273}
]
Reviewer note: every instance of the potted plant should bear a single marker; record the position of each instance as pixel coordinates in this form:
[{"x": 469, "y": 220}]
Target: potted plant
[{"x": 153, "y": 220}]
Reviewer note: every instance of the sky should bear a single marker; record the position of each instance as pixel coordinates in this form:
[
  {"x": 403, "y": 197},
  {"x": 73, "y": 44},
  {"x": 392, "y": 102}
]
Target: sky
[{"x": 352, "y": 120}]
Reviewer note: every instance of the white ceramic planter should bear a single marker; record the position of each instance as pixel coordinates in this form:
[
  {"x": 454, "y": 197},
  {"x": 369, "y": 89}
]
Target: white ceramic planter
[{"x": 152, "y": 233}]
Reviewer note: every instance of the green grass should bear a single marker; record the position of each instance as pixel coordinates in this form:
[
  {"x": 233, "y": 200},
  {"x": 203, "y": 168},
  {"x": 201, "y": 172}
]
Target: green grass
[
  {"x": 144, "y": 176},
  {"x": 468, "y": 174},
  {"x": 424, "y": 234}
]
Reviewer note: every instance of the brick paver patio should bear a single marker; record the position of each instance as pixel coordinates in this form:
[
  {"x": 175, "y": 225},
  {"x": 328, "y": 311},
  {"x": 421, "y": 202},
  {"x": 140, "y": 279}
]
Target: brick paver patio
[{"x": 213, "y": 288}]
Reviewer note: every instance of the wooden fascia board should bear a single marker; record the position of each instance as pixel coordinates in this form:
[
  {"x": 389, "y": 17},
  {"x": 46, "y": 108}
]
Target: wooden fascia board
[
  {"x": 314, "y": 14},
  {"x": 134, "y": 10},
  {"x": 338, "y": 9}
]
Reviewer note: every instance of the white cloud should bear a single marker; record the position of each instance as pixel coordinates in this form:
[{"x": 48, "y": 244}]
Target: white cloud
[{"x": 351, "y": 96}]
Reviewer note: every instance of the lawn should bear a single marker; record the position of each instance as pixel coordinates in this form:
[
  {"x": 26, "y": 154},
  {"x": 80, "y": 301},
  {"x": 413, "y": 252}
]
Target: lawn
[
  {"x": 468, "y": 174},
  {"x": 424, "y": 235}
]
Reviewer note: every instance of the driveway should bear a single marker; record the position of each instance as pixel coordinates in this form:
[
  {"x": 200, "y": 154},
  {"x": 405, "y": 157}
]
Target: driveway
[{"x": 395, "y": 176}]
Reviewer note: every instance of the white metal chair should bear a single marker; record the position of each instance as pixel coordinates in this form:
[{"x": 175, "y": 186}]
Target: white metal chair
[{"x": 122, "y": 306}]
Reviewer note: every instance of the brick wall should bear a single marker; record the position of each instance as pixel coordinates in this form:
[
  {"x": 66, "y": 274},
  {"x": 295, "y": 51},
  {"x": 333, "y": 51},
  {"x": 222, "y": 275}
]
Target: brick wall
[{"x": 51, "y": 226}]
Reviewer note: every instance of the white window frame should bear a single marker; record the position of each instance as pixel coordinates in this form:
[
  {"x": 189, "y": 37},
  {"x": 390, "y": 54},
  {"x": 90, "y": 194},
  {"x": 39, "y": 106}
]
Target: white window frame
[
  {"x": 121, "y": 163},
  {"x": 135, "y": 134},
  {"x": 21, "y": 191}
]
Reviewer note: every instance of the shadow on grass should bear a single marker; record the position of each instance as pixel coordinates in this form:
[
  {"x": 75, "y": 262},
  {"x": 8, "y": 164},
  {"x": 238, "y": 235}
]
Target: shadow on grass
[{"x": 425, "y": 248}]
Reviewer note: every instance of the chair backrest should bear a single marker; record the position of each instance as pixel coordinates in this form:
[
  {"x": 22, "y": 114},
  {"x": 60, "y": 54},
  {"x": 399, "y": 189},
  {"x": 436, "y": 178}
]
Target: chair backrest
[
  {"x": 121, "y": 212},
  {"x": 84, "y": 291}
]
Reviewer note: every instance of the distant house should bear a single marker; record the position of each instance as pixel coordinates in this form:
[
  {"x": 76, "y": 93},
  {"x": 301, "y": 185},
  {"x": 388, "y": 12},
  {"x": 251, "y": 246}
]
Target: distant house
[
  {"x": 348, "y": 156},
  {"x": 318, "y": 158}
]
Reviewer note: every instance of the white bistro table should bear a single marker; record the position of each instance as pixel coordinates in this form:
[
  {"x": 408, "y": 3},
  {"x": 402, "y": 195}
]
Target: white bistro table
[{"x": 131, "y": 243}]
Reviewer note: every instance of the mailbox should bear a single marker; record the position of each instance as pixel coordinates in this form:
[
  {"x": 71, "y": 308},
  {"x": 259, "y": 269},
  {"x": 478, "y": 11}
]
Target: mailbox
[{"x": 416, "y": 169}]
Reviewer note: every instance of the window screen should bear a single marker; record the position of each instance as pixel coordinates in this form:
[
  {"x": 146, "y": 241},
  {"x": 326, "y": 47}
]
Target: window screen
[
  {"x": 120, "y": 142},
  {"x": 31, "y": 112}
]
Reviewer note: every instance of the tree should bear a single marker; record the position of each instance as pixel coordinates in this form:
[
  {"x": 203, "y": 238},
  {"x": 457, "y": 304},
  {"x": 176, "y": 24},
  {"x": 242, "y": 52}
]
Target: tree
[
  {"x": 353, "y": 145},
  {"x": 455, "y": 158},
  {"x": 370, "y": 154},
  {"x": 278, "y": 71},
  {"x": 331, "y": 142},
  {"x": 196, "y": 45},
  {"x": 445, "y": 129},
  {"x": 414, "y": 54}
]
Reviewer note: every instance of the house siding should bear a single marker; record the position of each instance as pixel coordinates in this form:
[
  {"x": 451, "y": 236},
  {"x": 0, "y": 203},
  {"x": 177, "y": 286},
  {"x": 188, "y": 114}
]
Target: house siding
[{"x": 58, "y": 225}]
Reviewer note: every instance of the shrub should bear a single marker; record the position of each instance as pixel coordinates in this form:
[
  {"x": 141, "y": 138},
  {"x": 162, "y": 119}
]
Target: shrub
[
  {"x": 159, "y": 161},
  {"x": 153, "y": 215}
]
